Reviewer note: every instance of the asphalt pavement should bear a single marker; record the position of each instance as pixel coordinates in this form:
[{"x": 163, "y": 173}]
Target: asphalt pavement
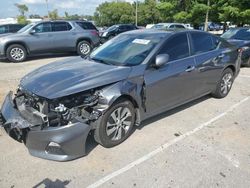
[{"x": 205, "y": 143}]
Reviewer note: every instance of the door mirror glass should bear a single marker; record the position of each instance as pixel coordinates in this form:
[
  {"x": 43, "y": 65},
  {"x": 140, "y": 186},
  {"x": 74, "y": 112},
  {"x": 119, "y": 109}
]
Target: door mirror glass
[{"x": 161, "y": 60}]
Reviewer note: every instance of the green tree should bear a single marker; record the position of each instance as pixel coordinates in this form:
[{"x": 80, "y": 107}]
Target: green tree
[
  {"x": 182, "y": 17},
  {"x": 108, "y": 14},
  {"x": 53, "y": 15},
  {"x": 22, "y": 8},
  {"x": 166, "y": 10}
]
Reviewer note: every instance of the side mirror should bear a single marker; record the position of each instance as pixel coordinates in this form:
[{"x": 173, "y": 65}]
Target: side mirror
[
  {"x": 161, "y": 60},
  {"x": 33, "y": 31}
]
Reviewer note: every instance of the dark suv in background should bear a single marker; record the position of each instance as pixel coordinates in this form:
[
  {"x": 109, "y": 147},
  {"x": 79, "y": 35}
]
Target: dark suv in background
[
  {"x": 10, "y": 28},
  {"x": 115, "y": 30},
  {"x": 50, "y": 36},
  {"x": 240, "y": 37}
]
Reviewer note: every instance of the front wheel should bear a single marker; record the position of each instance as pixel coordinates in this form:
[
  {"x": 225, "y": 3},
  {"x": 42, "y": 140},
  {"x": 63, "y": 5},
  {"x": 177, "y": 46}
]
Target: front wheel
[
  {"x": 84, "y": 48},
  {"x": 16, "y": 53},
  {"x": 225, "y": 84},
  {"x": 116, "y": 124}
]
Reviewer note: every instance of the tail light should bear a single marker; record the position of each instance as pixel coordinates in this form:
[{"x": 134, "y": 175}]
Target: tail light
[
  {"x": 95, "y": 33},
  {"x": 240, "y": 50}
]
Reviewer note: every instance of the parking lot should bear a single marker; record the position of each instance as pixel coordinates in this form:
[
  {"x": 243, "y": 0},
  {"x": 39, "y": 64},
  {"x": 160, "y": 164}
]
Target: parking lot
[{"x": 204, "y": 143}]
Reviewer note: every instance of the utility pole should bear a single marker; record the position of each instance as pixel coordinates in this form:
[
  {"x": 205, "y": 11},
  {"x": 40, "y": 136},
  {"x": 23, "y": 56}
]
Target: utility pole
[
  {"x": 47, "y": 5},
  {"x": 207, "y": 14},
  {"x": 136, "y": 12}
]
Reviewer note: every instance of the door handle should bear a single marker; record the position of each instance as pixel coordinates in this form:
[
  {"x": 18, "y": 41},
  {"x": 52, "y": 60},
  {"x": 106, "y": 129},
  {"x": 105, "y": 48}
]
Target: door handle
[{"x": 190, "y": 68}]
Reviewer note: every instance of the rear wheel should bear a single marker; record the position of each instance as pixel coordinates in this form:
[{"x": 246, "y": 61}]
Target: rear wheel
[
  {"x": 84, "y": 48},
  {"x": 16, "y": 53},
  {"x": 116, "y": 124},
  {"x": 225, "y": 84}
]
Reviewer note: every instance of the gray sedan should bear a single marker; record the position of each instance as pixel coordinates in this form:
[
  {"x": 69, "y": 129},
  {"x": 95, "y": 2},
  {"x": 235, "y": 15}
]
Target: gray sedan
[{"x": 130, "y": 78}]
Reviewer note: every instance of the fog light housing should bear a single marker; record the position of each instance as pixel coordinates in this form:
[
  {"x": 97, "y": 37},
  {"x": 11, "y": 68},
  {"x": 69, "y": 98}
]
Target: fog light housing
[{"x": 54, "y": 148}]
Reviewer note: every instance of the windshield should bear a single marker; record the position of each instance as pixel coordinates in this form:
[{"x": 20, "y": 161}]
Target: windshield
[
  {"x": 242, "y": 34},
  {"x": 26, "y": 28},
  {"x": 112, "y": 28},
  {"x": 127, "y": 49}
]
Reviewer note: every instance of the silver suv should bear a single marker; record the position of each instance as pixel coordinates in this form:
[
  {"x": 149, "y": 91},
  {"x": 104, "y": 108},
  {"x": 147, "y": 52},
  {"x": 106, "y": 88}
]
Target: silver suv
[{"x": 49, "y": 36}]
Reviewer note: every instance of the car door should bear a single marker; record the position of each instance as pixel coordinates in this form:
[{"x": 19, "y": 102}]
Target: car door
[
  {"x": 40, "y": 39},
  {"x": 63, "y": 38},
  {"x": 208, "y": 59},
  {"x": 171, "y": 84}
]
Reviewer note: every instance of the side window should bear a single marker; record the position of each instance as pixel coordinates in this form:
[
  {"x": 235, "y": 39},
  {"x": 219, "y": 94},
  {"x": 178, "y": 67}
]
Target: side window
[
  {"x": 3, "y": 29},
  {"x": 179, "y": 27},
  {"x": 202, "y": 42},
  {"x": 176, "y": 47},
  {"x": 15, "y": 28},
  {"x": 172, "y": 26},
  {"x": 86, "y": 25},
  {"x": 43, "y": 27},
  {"x": 61, "y": 26},
  {"x": 122, "y": 28}
]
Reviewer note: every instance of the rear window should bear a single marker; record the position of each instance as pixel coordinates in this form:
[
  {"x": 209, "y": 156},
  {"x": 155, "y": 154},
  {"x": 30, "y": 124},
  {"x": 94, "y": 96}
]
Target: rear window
[
  {"x": 86, "y": 25},
  {"x": 15, "y": 28}
]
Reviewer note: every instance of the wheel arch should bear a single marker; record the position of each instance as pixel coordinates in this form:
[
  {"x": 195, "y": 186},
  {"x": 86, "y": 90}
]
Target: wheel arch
[
  {"x": 232, "y": 67},
  {"x": 82, "y": 39},
  {"x": 16, "y": 42},
  {"x": 133, "y": 101}
]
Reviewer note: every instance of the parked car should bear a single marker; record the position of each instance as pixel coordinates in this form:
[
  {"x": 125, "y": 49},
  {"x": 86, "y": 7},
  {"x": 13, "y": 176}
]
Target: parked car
[
  {"x": 149, "y": 26},
  {"x": 47, "y": 37},
  {"x": 128, "y": 79},
  {"x": 241, "y": 38},
  {"x": 169, "y": 26},
  {"x": 116, "y": 30},
  {"x": 10, "y": 28},
  {"x": 211, "y": 26},
  {"x": 189, "y": 26}
]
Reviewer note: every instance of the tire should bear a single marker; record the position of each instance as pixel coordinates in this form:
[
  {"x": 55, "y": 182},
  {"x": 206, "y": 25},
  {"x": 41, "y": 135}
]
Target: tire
[
  {"x": 109, "y": 133},
  {"x": 84, "y": 48},
  {"x": 16, "y": 53},
  {"x": 225, "y": 84}
]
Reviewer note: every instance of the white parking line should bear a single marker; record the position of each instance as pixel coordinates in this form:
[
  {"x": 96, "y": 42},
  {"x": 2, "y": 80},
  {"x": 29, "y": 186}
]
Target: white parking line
[{"x": 163, "y": 147}]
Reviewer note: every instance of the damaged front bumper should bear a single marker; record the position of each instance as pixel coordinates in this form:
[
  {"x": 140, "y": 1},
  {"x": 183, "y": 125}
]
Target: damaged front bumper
[{"x": 54, "y": 143}]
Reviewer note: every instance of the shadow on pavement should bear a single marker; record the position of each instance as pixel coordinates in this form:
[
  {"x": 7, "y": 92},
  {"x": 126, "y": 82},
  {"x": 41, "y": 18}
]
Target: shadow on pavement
[
  {"x": 47, "y": 183},
  {"x": 173, "y": 111}
]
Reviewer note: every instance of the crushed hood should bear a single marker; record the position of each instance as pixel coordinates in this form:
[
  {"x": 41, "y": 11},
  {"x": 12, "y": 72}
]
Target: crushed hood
[{"x": 71, "y": 76}]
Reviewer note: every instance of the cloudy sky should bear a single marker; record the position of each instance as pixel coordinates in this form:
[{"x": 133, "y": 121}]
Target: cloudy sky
[{"x": 86, "y": 7}]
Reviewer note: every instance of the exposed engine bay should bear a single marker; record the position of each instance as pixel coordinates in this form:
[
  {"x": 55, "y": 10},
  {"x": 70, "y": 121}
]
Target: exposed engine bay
[{"x": 42, "y": 113}]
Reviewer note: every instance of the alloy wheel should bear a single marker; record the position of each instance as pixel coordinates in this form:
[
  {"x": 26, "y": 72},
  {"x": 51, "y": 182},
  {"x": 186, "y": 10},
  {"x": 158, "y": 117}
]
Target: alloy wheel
[
  {"x": 226, "y": 83},
  {"x": 119, "y": 123},
  {"x": 17, "y": 54},
  {"x": 85, "y": 49}
]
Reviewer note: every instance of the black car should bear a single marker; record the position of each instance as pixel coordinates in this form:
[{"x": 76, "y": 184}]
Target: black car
[
  {"x": 241, "y": 38},
  {"x": 128, "y": 79},
  {"x": 115, "y": 30},
  {"x": 10, "y": 28}
]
